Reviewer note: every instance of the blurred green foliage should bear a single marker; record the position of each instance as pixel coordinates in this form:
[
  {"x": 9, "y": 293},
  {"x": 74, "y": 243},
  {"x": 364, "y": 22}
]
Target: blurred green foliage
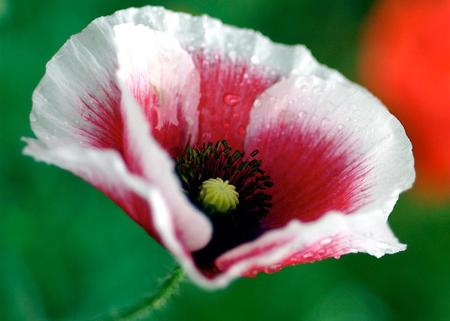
[{"x": 68, "y": 253}]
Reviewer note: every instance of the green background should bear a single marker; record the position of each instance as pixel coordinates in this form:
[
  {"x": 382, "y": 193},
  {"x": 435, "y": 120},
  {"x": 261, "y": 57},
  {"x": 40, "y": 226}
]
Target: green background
[{"x": 68, "y": 253}]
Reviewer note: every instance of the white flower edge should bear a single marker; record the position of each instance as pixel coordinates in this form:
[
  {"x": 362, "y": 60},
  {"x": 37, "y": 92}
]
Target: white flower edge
[{"x": 206, "y": 33}]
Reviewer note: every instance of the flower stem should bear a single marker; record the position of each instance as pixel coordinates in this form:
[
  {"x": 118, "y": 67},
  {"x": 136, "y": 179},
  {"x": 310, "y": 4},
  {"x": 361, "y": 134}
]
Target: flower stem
[{"x": 155, "y": 301}]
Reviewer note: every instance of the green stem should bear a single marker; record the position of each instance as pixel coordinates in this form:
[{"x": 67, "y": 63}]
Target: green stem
[{"x": 155, "y": 301}]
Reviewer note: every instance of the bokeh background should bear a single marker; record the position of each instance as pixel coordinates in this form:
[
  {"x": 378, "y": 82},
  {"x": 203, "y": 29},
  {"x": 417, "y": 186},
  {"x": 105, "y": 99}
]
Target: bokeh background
[{"x": 68, "y": 253}]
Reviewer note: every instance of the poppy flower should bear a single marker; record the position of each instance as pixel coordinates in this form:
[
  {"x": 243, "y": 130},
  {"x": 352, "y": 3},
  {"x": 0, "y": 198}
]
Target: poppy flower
[
  {"x": 238, "y": 155},
  {"x": 405, "y": 61}
]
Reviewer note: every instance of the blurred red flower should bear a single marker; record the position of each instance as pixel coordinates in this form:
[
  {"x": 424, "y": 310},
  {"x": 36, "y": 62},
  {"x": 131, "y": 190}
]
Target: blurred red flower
[{"x": 405, "y": 60}]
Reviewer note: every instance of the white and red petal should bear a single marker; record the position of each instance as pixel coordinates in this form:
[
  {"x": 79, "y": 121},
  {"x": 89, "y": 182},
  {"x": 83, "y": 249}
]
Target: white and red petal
[
  {"x": 333, "y": 235},
  {"x": 79, "y": 106},
  {"x": 338, "y": 161}
]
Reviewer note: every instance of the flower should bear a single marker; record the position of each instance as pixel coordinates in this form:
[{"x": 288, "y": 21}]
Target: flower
[
  {"x": 238, "y": 155},
  {"x": 405, "y": 61}
]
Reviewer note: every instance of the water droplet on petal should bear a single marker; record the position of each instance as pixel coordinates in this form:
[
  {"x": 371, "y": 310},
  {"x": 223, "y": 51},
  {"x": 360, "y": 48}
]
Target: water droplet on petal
[
  {"x": 325, "y": 122},
  {"x": 231, "y": 99}
]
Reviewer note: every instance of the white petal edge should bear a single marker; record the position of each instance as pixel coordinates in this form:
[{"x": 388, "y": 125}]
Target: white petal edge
[
  {"x": 211, "y": 35},
  {"x": 95, "y": 165},
  {"x": 364, "y": 232}
]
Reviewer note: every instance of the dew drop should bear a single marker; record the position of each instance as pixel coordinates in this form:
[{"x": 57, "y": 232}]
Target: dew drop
[
  {"x": 254, "y": 60},
  {"x": 231, "y": 99},
  {"x": 325, "y": 241},
  {"x": 324, "y": 123},
  {"x": 232, "y": 55}
]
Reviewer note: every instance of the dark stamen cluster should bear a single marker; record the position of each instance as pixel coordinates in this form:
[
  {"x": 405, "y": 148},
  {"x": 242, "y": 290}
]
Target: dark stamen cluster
[{"x": 219, "y": 160}]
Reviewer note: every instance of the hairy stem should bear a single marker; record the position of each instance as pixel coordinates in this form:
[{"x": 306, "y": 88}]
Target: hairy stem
[{"x": 155, "y": 301}]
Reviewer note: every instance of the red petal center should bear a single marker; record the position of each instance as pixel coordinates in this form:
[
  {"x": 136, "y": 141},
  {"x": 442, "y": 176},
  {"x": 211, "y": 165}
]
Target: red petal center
[
  {"x": 228, "y": 91},
  {"x": 312, "y": 173}
]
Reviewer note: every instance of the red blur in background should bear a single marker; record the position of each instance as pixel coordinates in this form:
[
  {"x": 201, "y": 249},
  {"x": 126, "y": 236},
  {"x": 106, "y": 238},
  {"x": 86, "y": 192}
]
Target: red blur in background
[{"x": 405, "y": 61}]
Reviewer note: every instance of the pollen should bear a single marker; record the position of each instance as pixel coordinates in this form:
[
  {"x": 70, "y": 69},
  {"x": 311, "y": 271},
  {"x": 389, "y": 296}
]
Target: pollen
[{"x": 218, "y": 196}]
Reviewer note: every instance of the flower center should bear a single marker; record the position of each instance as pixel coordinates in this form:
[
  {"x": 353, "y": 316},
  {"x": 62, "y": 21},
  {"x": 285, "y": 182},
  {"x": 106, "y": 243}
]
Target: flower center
[
  {"x": 230, "y": 189},
  {"x": 218, "y": 196},
  {"x": 218, "y": 179}
]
